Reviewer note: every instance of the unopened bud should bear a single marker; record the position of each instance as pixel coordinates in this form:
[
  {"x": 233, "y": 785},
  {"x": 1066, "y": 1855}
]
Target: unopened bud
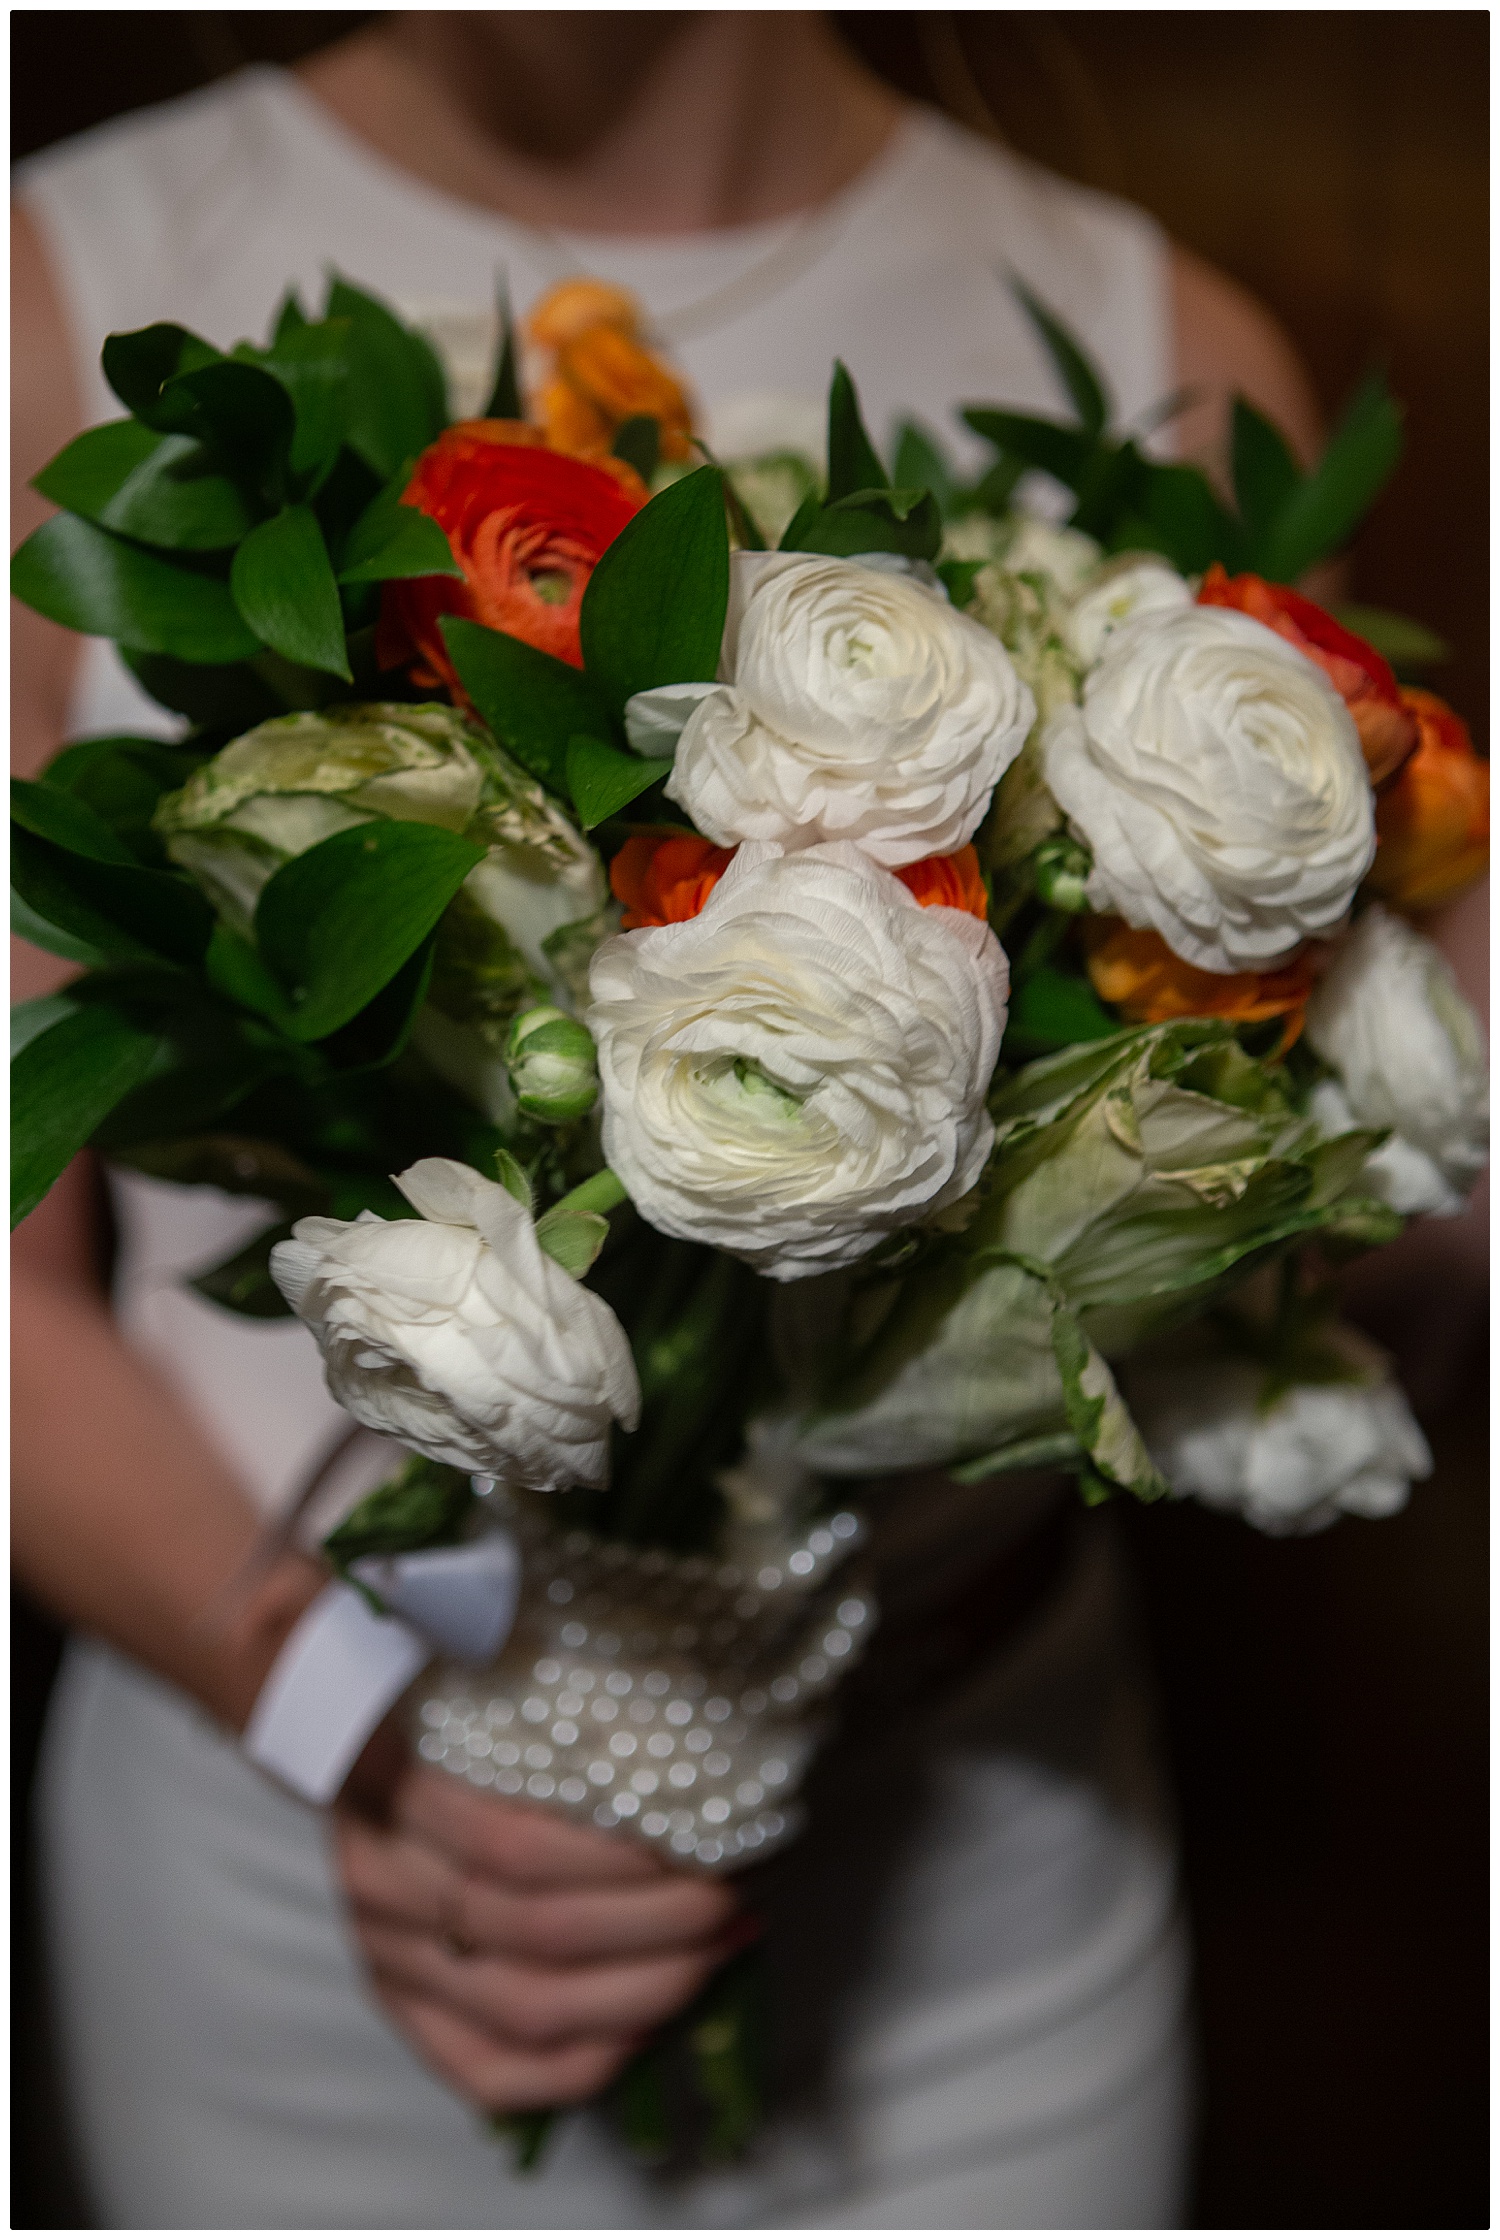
[
  {"x": 550, "y": 1058},
  {"x": 1061, "y": 868}
]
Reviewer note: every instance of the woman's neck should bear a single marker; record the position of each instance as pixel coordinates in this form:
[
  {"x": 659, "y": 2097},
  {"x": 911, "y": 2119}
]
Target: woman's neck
[{"x": 621, "y": 122}]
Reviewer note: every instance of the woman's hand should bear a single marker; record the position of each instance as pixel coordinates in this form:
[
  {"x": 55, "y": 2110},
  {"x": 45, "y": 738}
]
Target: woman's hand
[{"x": 524, "y": 1957}]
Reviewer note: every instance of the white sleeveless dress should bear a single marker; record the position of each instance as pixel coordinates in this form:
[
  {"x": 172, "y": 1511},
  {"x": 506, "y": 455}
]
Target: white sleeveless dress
[{"x": 981, "y": 1968}]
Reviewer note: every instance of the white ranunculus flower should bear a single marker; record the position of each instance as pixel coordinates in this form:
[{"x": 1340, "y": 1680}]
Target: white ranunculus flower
[
  {"x": 1316, "y": 1452},
  {"x": 1409, "y": 1052},
  {"x": 1218, "y": 780},
  {"x": 457, "y": 1335},
  {"x": 1134, "y": 584},
  {"x": 856, "y": 704},
  {"x": 802, "y": 1068}
]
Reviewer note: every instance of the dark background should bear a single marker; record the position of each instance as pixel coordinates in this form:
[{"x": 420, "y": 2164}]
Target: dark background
[{"x": 1325, "y": 1699}]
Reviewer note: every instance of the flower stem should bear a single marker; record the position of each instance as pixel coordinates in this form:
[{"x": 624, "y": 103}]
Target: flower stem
[{"x": 600, "y": 1194}]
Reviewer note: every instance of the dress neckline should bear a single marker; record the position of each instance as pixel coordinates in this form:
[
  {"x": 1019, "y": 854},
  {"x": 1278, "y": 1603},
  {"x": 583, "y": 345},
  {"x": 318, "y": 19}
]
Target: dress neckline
[{"x": 310, "y": 120}]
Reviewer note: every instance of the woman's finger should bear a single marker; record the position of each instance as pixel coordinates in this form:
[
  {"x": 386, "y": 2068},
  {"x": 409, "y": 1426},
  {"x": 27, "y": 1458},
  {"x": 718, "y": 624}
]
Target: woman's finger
[
  {"x": 515, "y": 1844},
  {"x": 540, "y": 2007},
  {"x": 503, "y": 2079}
]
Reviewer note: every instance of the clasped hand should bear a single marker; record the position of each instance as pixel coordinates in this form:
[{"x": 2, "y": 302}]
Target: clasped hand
[{"x": 525, "y": 1958}]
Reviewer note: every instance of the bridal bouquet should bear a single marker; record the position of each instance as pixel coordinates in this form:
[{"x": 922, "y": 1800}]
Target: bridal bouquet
[{"x": 711, "y": 1021}]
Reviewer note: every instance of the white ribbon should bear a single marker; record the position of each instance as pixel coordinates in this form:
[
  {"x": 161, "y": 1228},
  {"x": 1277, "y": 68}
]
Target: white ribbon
[{"x": 342, "y": 1666}]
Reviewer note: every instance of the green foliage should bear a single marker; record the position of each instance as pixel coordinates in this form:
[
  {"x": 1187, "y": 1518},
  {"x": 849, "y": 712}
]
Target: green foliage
[
  {"x": 505, "y": 401},
  {"x": 602, "y": 780},
  {"x": 121, "y": 779},
  {"x": 62, "y": 1084},
  {"x": 103, "y": 587},
  {"x": 425, "y": 1505},
  {"x": 903, "y": 521},
  {"x": 853, "y": 463},
  {"x": 653, "y": 612},
  {"x": 1410, "y": 647},
  {"x": 243, "y": 1283},
  {"x": 391, "y": 539},
  {"x": 283, "y": 584},
  {"x": 396, "y": 399},
  {"x": 533, "y": 702},
  {"x": 162, "y": 490},
  {"x": 73, "y": 873},
  {"x": 335, "y": 925},
  {"x": 638, "y": 443},
  {"x": 1078, "y": 377},
  {"x": 1285, "y": 521},
  {"x": 1051, "y": 1009}
]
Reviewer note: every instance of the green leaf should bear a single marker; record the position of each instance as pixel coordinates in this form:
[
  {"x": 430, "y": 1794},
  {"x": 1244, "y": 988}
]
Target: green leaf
[
  {"x": 505, "y": 390},
  {"x": 904, "y": 521},
  {"x": 853, "y": 462},
  {"x": 1051, "y": 1009},
  {"x": 72, "y": 873},
  {"x": 243, "y": 1282},
  {"x": 396, "y": 397},
  {"x": 1406, "y": 644},
  {"x": 137, "y": 365},
  {"x": 95, "y": 583},
  {"x": 800, "y": 523},
  {"x": 1064, "y": 453},
  {"x": 55, "y": 815},
  {"x": 1078, "y": 376},
  {"x": 425, "y": 1505},
  {"x": 653, "y": 612},
  {"x": 28, "y": 1020},
  {"x": 1191, "y": 527},
  {"x": 63, "y": 1084},
  {"x": 391, "y": 539},
  {"x": 638, "y": 443},
  {"x": 532, "y": 702},
  {"x": 228, "y": 697},
  {"x": 1265, "y": 473},
  {"x": 1323, "y": 513},
  {"x": 957, "y": 578},
  {"x": 920, "y": 465},
  {"x": 161, "y": 490},
  {"x": 283, "y": 584},
  {"x": 312, "y": 363},
  {"x": 244, "y": 412},
  {"x": 338, "y": 922},
  {"x": 602, "y": 780},
  {"x": 121, "y": 780}
]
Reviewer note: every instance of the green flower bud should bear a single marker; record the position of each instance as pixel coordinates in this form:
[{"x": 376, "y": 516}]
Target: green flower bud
[
  {"x": 1061, "y": 868},
  {"x": 550, "y": 1058}
]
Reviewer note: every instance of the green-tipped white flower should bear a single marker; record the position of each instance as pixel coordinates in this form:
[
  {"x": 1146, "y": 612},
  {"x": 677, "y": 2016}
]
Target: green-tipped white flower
[
  {"x": 550, "y": 1058},
  {"x": 298, "y": 779},
  {"x": 522, "y": 927}
]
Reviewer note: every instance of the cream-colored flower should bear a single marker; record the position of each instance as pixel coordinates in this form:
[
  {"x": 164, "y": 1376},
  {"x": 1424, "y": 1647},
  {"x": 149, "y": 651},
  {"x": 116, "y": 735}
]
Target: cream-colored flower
[
  {"x": 1218, "y": 780},
  {"x": 856, "y": 704},
  {"x": 1409, "y": 1053},
  {"x": 459, "y": 1336},
  {"x": 1292, "y": 1465},
  {"x": 800, "y": 1069},
  {"x": 1124, "y": 589}
]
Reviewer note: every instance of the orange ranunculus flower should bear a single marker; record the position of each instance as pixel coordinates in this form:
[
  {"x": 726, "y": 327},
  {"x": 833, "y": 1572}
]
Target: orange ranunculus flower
[
  {"x": 949, "y": 882},
  {"x": 1148, "y": 983},
  {"x": 526, "y": 525},
  {"x": 1433, "y": 824},
  {"x": 1363, "y": 680},
  {"x": 601, "y": 373},
  {"x": 663, "y": 879}
]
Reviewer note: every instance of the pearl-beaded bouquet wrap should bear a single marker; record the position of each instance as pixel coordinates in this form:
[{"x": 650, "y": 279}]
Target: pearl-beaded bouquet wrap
[{"x": 734, "y": 979}]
